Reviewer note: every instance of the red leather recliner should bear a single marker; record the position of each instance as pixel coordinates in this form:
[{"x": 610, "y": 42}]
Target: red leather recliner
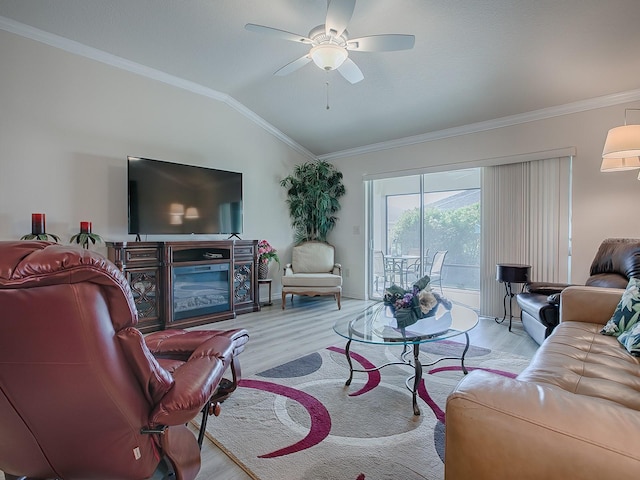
[{"x": 82, "y": 393}]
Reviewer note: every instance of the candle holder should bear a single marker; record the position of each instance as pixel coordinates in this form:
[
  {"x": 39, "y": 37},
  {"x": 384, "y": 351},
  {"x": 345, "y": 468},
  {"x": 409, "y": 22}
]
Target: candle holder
[
  {"x": 85, "y": 236},
  {"x": 38, "y": 229}
]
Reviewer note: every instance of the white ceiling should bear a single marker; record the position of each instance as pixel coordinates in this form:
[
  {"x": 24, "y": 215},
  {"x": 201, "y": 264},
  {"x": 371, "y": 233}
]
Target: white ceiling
[{"x": 473, "y": 61}]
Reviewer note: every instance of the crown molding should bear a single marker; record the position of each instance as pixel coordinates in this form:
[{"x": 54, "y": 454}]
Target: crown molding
[
  {"x": 77, "y": 48},
  {"x": 542, "y": 114}
]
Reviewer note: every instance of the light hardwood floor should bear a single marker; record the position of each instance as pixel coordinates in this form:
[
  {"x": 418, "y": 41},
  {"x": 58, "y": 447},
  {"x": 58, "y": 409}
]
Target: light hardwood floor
[{"x": 277, "y": 336}]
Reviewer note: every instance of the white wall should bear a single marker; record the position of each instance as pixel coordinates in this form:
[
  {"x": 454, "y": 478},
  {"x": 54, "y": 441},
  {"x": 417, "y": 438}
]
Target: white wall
[
  {"x": 67, "y": 124},
  {"x": 603, "y": 203}
]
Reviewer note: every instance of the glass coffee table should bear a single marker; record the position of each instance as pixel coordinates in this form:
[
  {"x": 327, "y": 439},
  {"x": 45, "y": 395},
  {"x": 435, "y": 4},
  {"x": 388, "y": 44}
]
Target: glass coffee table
[{"x": 376, "y": 325}]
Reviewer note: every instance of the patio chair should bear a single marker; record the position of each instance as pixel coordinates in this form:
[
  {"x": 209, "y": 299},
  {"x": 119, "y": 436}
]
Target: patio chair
[
  {"x": 435, "y": 272},
  {"x": 411, "y": 271},
  {"x": 380, "y": 270}
]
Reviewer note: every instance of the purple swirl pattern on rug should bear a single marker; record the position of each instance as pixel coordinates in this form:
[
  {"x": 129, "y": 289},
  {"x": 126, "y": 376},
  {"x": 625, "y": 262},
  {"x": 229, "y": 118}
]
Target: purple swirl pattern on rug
[
  {"x": 320, "y": 418},
  {"x": 374, "y": 376}
]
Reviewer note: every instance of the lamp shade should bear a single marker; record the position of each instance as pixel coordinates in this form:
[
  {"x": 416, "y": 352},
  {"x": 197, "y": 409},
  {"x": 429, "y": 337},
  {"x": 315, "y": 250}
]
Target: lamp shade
[
  {"x": 176, "y": 209},
  {"x": 192, "y": 212},
  {"x": 328, "y": 56},
  {"x": 622, "y": 142},
  {"x": 619, "y": 164}
]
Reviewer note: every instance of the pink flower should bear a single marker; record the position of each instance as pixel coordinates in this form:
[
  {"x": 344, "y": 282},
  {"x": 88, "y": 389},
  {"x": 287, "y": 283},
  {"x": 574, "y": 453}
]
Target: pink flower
[{"x": 266, "y": 252}]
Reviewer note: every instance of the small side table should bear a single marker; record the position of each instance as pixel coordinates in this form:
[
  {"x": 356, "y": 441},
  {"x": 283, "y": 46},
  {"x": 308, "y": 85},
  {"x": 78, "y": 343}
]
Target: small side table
[
  {"x": 266, "y": 281},
  {"x": 509, "y": 273}
]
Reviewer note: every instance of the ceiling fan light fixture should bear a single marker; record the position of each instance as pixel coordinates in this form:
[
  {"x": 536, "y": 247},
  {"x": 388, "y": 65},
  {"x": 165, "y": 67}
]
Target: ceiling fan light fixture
[{"x": 328, "y": 56}]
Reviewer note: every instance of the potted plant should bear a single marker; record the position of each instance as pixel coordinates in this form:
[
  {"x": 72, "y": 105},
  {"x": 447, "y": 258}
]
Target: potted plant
[
  {"x": 313, "y": 191},
  {"x": 266, "y": 253}
]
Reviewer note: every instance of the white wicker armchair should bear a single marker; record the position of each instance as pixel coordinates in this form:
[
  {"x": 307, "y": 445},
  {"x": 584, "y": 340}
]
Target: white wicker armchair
[{"x": 312, "y": 272}]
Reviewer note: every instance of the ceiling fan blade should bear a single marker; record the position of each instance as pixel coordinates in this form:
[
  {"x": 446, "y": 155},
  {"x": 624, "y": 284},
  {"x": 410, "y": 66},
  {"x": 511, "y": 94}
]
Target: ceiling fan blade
[
  {"x": 274, "y": 32},
  {"x": 382, "y": 43},
  {"x": 350, "y": 71},
  {"x": 339, "y": 14},
  {"x": 293, "y": 66}
]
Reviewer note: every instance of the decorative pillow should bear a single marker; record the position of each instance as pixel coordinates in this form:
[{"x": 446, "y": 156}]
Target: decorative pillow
[
  {"x": 631, "y": 339},
  {"x": 627, "y": 312}
]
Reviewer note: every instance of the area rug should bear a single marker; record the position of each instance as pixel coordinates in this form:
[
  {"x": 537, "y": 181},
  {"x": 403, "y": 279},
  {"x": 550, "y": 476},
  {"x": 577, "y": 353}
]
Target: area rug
[{"x": 299, "y": 420}]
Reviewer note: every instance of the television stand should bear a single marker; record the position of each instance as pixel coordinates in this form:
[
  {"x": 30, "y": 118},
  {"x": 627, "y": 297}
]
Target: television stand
[
  {"x": 187, "y": 283},
  {"x": 234, "y": 235}
]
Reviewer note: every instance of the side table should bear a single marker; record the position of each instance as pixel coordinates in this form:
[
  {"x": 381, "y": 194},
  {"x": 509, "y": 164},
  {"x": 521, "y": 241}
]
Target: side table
[
  {"x": 266, "y": 281},
  {"x": 509, "y": 273}
]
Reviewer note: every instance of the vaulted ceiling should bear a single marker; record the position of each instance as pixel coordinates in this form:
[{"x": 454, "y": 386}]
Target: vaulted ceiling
[{"x": 475, "y": 62}]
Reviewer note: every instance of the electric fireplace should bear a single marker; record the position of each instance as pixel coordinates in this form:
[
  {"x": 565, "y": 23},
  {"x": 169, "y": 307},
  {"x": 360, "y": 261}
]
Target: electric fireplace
[{"x": 200, "y": 290}]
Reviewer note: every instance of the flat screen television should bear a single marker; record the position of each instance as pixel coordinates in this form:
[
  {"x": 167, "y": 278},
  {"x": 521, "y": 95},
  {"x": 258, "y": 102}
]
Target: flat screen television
[{"x": 172, "y": 198}]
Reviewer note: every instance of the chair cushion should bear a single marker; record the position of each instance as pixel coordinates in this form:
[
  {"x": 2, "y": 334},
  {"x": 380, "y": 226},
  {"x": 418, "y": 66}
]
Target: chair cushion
[
  {"x": 312, "y": 280},
  {"x": 313, "y": 257}
]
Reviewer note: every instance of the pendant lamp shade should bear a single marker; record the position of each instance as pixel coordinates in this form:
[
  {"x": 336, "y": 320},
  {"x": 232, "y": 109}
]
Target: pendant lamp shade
[
  {"x": 622, "y": 142},
  {"x": 619, "y": 164}
]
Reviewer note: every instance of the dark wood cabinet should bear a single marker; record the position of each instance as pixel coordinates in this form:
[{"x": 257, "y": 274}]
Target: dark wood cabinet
[
  {"x": 182, "y": 284},
  {"x": 142, "y": 267},
  {"x": 245, "y": 277}
]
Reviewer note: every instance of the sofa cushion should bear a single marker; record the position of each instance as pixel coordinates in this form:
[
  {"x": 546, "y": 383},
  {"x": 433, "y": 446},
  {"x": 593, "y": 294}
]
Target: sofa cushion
[
  {"x": 617, "y": 256},
  {"x": 576, "y": 358},
  {"x": 627, "y": 312},
  {"x": 311, "y": 280}
]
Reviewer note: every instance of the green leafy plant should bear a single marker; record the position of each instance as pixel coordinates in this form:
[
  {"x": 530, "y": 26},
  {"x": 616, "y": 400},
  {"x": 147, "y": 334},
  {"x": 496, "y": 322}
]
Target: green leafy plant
[
  {"x": 313, "y": 191},
  {"x": 83, "y": 238},
  {"x": 40, "y": 236}
]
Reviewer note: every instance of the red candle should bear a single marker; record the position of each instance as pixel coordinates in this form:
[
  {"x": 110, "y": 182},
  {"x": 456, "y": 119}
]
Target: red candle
[
  {"x": 85, "y": 227},
  {"x": 37, "y": 223}
]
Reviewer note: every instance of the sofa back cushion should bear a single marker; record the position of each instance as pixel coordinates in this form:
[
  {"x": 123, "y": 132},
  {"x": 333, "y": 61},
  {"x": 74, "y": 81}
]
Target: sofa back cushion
[
  {"x": 617, "y": 260},
  {"x": 313, "y": 257}
]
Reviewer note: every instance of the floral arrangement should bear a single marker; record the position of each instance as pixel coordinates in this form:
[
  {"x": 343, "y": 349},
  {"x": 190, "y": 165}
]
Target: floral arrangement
[
  {"x": 266, "y": 253},
  {"x": 411, "y": 305}
]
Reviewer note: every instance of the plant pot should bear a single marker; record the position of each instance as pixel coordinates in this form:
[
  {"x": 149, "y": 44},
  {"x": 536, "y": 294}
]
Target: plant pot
[{"x": 263, "y": 271}]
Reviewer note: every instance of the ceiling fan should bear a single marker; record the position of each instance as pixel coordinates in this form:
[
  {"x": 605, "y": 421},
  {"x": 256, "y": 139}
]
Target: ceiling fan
[{"x": 330, "y": 43}]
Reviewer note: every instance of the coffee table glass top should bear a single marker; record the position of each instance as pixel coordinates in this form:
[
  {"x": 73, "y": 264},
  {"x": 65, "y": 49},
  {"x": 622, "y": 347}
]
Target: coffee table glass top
[{"x": 377, "y": 325}]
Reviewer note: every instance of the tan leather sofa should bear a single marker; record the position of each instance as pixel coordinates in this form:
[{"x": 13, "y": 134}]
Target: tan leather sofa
[
  {"x": 312, "y": 272},
  {"x": 573, "y": 413}
]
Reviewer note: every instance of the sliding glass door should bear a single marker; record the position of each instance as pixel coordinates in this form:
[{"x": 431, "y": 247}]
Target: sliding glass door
[{"x": 426, "y": 225}]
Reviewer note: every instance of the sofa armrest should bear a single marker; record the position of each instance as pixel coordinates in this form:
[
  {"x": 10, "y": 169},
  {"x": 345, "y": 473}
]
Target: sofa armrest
[
  {"x": 498, "y": 427},
  {"x": 288, "y": 269},
  {"x": 337, "y": 269},
  {"x": 588, "y": 304}
]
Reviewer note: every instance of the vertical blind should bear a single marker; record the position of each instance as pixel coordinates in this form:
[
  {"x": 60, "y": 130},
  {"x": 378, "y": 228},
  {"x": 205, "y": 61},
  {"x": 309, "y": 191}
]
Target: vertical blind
[{"x": 525, "y": 215}]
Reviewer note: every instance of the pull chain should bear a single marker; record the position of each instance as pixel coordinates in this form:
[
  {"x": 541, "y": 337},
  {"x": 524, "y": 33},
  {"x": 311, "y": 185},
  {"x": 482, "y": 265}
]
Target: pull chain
[{"x": 327, "y": 83}]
